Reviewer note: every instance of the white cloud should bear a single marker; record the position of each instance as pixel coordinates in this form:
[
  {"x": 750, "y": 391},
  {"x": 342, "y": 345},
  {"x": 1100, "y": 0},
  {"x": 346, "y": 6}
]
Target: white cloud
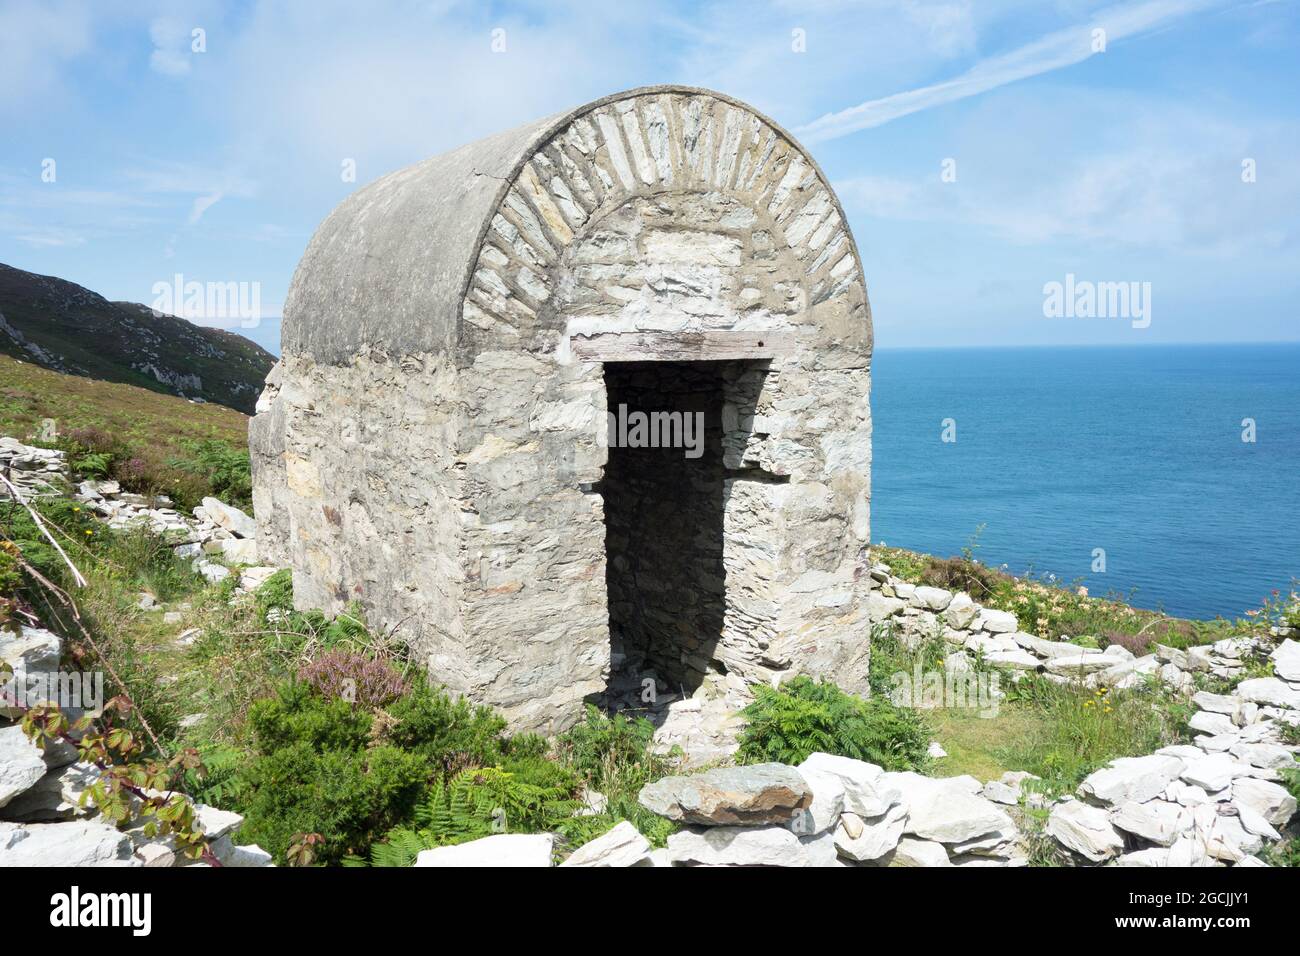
[
  {"x": 1103, "y": 167},
  {"x": 36, "y": 40},
  {"x": 1054, "y": 51},
  {"x": 171, "y": 48}
]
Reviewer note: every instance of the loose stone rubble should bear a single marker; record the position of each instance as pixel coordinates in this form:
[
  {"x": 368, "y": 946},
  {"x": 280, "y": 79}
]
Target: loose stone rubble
[
  {"x": 43, "y": 819},
  {"x": 37, "y": 472}
]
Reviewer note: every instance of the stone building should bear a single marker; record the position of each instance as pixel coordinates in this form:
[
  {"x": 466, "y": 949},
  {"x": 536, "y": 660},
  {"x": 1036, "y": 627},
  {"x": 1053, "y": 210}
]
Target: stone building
[{"x": 435, "y": 440}]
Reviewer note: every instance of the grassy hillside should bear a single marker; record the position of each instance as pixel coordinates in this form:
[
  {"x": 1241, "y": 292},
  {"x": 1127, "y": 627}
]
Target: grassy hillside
[
  {"x": 151, "y": 442},
  {"x": 65, "y": 327}
]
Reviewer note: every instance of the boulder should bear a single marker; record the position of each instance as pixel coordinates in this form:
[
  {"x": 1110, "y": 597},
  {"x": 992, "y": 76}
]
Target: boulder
[
  {"x": 1268, "y": 756},
  {"x": 997, "y": 622},
  {"x": 1157, "y": 821},
  {"x": 229, "y": 517},
  {"x": 503, "y": 849},
  {"x": 1018, "y": 659},
  {"x": 621, "y": 846},
  {"x": 1211, "y": 723},
  {"x": 1268, "y": 799},
  {"x": 228, "y": 854},
  {"x": 1085, "y": 830},
  {"x": 863, "y": 840},
  {"x": 936, "y": 599},
  {"x": 1007, "y": 788},
  {"x": 913, "y": 852},
  {"x": 961, "y": 611},
  {"x": 864, "y": 790},
  {"x": 1269, "y": 690},
  {"x": 1052, "y": 649},
  {"x": 22, "y": 764},
  {"x": 821, "y": 850},
  {"x": 880, "y": 608},
  {"x": 736, "y": 846},
  {"x": 56, "y": 796},
  {"x": 754, "y": 795},
  {"x": 1213, "y": 772},
  {"x": 945, "y": 810},
  {"x": 1216, "y": 703},
  {"x": 1132, "y": 779},
  {"x": 239, "y": 550},
  {"x": 32, "y": 652},
  {"x": 827, "y": 801},
  {"x": 1286, "y": 661},
  {"x": 1078, "y": 664},
  {"x": 75, "y": 843},
  {"x": 1155, "y": 856},
  {"x": 216, "y": 823}
]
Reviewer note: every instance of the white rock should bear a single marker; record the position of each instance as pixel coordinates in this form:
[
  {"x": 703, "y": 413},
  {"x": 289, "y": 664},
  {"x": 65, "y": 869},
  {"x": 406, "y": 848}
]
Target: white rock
[
  {"x": 1135, "y": 779},
  {"x": 1211, "y": 723},
  {"x": 1269, "y": 800},
  {"x": 239, "y": 550},
  {"x": 936, "y": 599},
  {"x": 1156, "y": 820},
  {"x": 503, "y": 849},
  {"x": 1286, "y": 661},
  {"x": 945, "y": 810},
  {"x": 1213, "y": 771},
  {"x": 228, "y": 854},
  {"x": 21, "y": 763},
  {"x": 216, "y": 823},
  {"x": 1271, "y": 756},
  {"x": 736, "y": 846},
  {"x": 1052, "y": 649},
  {"x": 996, "y": 622},
  {"x": 874, "y": 838},
  {"x": 935, "y": 751},
  {"x": 1018, "y": 659},
  {"x": 212, "y": 571},
  {"x": 1155, "y": 856},
  {"x": 880, "y": 608},
  {"x": 1269, "y": 690},
  {"x": 1216, "y": 703},
  {"x": 229, "y": 517},
  {"x": 913, "y": 852},
  {"x": 827, "y": 800},
  {"x": 56, "y": 796},
  {"x": 1085, "y": 830},
  {"x": 1189, "y": 850},
  {"x": 961, "y": 611},
  {"x": 74, "y": 843},
  {"x": 1079, "y": 664},
  {"x": 155, "y": 855},
  {"x": 864, "y": 792},
  {"x": 621, "y": 846},
  {"x": 821, "y": 850}
]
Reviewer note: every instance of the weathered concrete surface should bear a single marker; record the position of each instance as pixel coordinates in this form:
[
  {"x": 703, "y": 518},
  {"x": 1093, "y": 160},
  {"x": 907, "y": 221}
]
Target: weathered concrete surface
[{"x": 428, "y": 445}]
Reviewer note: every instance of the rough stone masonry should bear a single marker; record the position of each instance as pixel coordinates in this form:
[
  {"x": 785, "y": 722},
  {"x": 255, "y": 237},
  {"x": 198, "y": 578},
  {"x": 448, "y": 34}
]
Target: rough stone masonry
[{"x": 432, "y": 443}]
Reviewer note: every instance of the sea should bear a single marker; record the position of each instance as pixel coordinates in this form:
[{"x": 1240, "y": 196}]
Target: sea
[{"x": 1169, "y": 475}]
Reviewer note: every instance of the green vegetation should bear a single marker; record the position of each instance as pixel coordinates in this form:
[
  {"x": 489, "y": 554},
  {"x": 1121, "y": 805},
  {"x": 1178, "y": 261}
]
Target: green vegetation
[
  {"x": 1051, "y": 609},
  {"x": 150, "y": 442},
  {"x": 804, "y": 716}
]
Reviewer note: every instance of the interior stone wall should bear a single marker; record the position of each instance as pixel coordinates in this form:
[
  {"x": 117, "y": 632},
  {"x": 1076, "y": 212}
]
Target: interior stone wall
[{"x": 664, "y": 527}]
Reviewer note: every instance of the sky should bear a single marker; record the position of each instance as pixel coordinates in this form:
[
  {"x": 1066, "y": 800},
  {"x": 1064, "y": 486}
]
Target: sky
[{"x": 983, "y": 149}]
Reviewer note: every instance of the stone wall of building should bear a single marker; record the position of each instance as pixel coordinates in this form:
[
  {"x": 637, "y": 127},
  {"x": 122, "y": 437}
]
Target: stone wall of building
[{"x": 455, "y": 493}]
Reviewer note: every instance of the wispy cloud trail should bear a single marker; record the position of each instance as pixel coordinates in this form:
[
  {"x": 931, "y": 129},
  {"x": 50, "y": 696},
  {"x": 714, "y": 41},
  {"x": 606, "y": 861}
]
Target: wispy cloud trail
[{"x": 1054, "y": 51}]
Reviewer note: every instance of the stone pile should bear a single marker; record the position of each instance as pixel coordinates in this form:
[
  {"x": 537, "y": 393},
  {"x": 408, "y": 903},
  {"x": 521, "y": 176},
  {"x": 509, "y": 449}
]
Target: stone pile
[
  {"x": 35, "y": 471},
  {"x": 920, "y": 612},
  {"x": 215, "y": 538},
  {"x": 1213, "y": 802},
  {"x": 43, "y": 821}
]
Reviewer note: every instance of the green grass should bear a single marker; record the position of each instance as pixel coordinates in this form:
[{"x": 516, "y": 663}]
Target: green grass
[{"x": 154, "y": 443}]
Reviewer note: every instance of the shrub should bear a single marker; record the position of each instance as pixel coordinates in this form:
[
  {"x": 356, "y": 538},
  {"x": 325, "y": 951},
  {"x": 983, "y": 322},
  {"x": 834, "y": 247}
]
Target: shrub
[
  {"x": 318, "y": 770},
  {"x": 449, "y": 734},
  {"x": 804, "y": 716},
  {"x": 353, "y": 677},
  {"x": 961, "y": 574}
]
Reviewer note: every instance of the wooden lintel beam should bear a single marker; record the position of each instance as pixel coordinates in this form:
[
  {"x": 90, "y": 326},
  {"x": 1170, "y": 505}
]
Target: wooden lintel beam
[{"x": 680, "y": 346}]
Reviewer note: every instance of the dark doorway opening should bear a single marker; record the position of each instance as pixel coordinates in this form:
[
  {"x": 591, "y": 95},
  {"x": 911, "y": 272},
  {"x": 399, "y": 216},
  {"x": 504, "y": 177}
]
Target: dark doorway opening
[{"x": 664, "y": 526}]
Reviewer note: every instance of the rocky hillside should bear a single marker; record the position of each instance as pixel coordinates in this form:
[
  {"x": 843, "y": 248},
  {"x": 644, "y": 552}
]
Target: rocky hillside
[{"x": 65, "y": 327}]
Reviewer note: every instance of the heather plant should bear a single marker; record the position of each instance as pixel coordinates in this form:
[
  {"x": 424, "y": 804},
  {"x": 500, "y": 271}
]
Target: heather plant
[{"x": 354, "y": 677}]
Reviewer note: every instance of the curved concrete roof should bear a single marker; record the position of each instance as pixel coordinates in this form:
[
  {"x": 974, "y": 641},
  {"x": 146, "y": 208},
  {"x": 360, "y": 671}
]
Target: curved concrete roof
[{"x": 390, "y": 266}]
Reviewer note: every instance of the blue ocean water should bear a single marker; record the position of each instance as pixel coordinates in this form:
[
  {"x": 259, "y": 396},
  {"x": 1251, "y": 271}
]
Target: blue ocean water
[{"x": 1137, "y": 451}]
